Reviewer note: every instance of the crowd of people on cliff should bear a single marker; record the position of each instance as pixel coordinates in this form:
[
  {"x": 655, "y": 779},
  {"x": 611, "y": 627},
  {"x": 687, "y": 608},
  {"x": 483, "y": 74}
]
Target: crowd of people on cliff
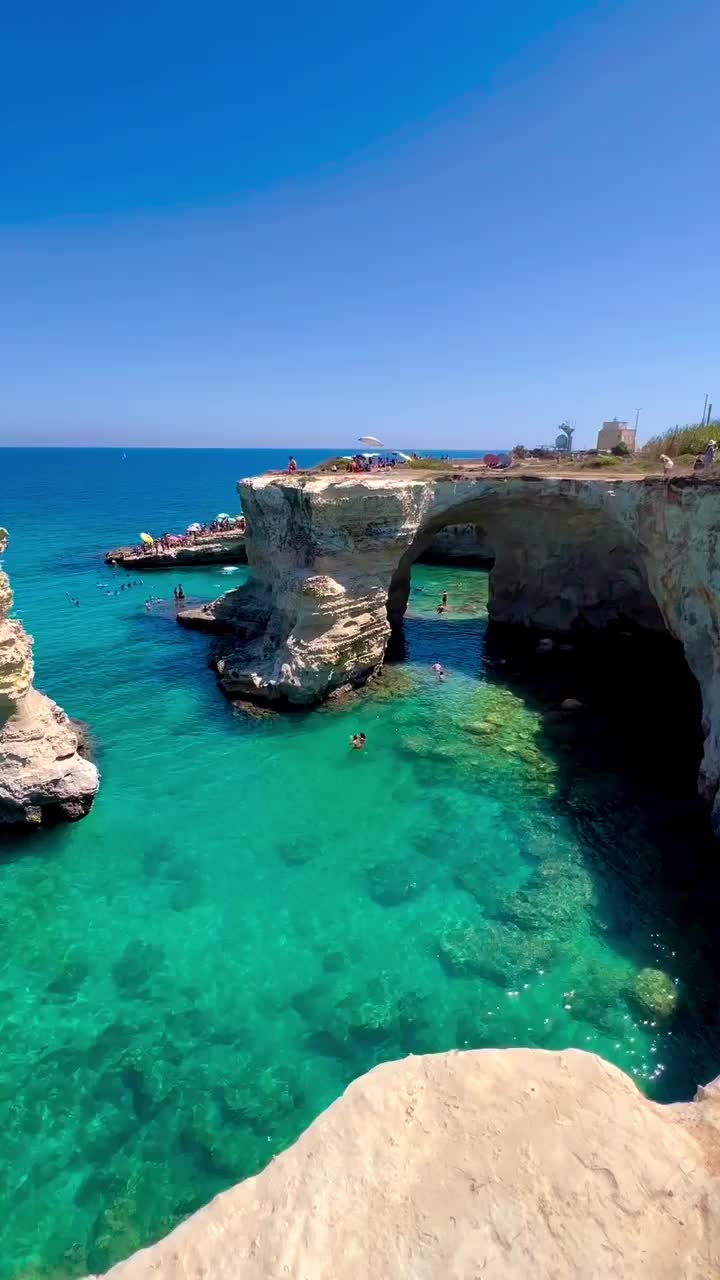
[
  {"x": 168, "y": 542},
  {"x": 374, "y": 461}
]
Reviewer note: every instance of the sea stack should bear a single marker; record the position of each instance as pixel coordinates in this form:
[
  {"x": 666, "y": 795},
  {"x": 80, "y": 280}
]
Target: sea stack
[{"x": 44, "y": 777}]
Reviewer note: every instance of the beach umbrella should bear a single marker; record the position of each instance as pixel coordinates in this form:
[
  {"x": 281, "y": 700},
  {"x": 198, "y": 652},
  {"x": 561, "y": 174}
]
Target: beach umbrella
[
  {"x": 194, "y": 527},
  {"x": 173, "y": 537},
  {"x": 370, "y": 440},
  {"x": 145, "y": 537},
  {"x": 405, "y": 456}
]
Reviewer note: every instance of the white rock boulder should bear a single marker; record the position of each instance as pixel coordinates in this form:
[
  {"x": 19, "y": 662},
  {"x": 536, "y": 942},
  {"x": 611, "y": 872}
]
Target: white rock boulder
[{"x": 44, "y": 776}]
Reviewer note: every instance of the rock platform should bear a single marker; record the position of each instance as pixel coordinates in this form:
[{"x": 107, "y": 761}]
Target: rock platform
[{"x": 500, "y": 1164}]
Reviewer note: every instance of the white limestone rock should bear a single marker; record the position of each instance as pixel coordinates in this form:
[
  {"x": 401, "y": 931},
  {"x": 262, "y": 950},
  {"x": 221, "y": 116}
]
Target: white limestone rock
[
  {"x": 495, "y": 1163},
  {"x": 44, "y": 776}
]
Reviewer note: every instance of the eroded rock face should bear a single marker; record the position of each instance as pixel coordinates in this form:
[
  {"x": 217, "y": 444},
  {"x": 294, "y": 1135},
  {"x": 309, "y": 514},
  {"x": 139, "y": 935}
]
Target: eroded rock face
[
  {"x": 462, "y": 544},
  {"x": 501, "y": 1163},
  {"x": 331, "y": 561},
  {"x": 44, "y": 778}
]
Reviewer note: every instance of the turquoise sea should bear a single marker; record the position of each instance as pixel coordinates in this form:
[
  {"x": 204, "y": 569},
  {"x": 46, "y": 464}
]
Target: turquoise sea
[{"x": 252, "y": 915}]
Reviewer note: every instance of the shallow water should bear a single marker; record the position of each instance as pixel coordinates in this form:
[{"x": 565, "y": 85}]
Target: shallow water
[{"x": 252, "y": 914}]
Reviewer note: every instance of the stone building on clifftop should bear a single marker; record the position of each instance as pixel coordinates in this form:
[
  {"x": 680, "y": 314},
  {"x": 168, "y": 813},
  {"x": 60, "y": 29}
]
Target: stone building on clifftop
[{"x": 616, "y": 432}]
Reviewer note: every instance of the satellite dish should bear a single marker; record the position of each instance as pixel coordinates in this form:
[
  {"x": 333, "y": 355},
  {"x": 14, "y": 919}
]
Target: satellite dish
[{"x": 562, "y": 442}]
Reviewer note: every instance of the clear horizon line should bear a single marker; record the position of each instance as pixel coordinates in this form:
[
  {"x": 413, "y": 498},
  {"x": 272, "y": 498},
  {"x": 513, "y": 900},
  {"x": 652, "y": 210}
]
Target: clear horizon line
[{"x": 222, "y": 448}]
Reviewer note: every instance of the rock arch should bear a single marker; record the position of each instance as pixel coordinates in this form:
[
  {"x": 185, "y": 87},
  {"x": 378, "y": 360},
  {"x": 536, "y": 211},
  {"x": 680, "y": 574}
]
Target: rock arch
[
  {"x": 558, "y": 563},
  {"x": 328, "y": 554}
]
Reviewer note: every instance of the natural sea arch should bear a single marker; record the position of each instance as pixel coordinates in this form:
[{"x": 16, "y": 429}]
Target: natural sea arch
[
  {"x": 330, "y": 556},
  {"x": 557, "y": 566}
]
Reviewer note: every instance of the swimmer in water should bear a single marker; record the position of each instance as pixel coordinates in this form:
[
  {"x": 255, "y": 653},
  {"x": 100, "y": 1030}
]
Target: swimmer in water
[{"x": 357, "y": 742}]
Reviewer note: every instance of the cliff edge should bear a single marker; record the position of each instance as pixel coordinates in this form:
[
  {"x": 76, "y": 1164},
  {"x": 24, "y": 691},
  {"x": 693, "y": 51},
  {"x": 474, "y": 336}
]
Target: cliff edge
[
  {"x": 44, "y": 778},
  {"x": 495, "y": 1163}
]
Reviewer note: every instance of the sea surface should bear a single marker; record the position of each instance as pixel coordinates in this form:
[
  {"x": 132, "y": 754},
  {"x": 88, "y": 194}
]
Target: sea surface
[{"x": 252, "y": 914}]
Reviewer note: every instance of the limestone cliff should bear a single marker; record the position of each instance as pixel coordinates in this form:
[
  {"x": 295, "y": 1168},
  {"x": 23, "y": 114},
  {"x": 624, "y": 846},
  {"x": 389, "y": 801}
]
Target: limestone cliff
[
  {"x": 43, "y": 776},
  {"x": 495, "y": 1163},
  {"x": 331, "y": 560}
]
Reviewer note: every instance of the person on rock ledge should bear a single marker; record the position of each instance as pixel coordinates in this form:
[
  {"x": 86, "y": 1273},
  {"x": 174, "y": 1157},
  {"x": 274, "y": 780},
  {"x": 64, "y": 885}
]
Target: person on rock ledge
[{"x": 292, "y": 464}]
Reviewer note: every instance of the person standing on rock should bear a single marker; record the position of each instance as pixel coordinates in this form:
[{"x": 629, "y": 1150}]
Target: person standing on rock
[
  {"x": 292, "y": 464},
  {"x": 668, "y": 465},
  {"x": 709, "y": 455}
]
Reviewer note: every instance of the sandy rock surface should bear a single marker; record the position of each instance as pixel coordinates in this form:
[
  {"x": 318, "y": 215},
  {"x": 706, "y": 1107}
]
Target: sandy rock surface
[{"x": 500, "y": 1164}]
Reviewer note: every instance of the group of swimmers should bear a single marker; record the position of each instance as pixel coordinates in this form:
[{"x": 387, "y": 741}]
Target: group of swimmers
[
  {"x": 135, "y": 582},
  {"x": 102, "y": 586},
  {"x": 178, "y": 593}
]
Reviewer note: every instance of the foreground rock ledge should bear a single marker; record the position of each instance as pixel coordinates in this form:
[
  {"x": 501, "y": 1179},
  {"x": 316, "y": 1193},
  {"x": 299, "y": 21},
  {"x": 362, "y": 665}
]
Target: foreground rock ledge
[
  {"x": 493, "y": 1164},
  {"x": 44, "y": 777}
]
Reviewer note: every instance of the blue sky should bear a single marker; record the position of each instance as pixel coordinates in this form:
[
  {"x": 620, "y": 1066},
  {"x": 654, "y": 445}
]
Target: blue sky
[{"x": 450, "y": 224}]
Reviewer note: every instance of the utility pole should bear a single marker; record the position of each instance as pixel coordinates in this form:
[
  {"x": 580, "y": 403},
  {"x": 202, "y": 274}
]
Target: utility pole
[
  {"x": 702, "y": 420},
  {"x": 637, "y": 417}
]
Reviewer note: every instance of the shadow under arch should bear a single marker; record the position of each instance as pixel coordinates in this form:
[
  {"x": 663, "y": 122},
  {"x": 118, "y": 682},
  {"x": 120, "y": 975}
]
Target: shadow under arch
[
  {"x": 624, "y": 789},
  {"x": 559, "y": 564}
]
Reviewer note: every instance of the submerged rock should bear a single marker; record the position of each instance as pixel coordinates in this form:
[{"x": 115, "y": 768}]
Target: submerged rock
[
  {"x": 655, "y": 992},
  {"x": 552, "y": 900},
  {"x": 599, "y": 996},
  {"x": 395, "y": 881},
  {"x": 500, "y": 953}
]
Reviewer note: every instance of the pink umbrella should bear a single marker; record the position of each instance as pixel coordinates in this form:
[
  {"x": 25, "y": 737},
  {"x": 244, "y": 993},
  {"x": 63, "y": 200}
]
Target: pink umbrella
[{"x": 173, "y": 537}]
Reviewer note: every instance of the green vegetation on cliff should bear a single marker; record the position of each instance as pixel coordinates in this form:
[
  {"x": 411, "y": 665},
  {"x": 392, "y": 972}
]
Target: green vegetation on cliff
[{"x": 680, "y": 442}]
